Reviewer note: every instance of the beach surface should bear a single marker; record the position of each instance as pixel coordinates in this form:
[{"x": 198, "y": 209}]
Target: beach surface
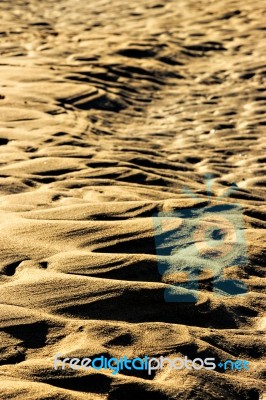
[{"x": 128, "y": 132}]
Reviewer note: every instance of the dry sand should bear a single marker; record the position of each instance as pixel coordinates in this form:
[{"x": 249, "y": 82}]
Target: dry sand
[{"x": 112, "y": 111}]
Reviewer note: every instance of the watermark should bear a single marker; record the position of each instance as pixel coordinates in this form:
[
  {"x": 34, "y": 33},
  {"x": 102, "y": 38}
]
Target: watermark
[
  {"x": 146, "y": 363},
  {"x": 193, "y": 241}
]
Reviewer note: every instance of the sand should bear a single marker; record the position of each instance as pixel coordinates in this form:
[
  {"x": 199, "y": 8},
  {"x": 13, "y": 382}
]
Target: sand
[{"x": 118, "y": 118}]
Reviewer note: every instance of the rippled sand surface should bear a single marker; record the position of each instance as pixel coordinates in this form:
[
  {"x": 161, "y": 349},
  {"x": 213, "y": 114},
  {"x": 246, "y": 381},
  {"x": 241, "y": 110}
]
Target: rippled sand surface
[{"x": 114, "y": 115}]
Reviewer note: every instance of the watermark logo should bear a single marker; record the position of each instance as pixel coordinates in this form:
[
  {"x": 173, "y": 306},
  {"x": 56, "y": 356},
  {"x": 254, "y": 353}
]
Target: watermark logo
[
  {"x": 193, "y": 241},
  {"x": 148, "y": 364}
]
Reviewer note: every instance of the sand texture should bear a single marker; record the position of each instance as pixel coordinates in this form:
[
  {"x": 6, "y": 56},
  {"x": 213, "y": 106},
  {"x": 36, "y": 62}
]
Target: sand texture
[{"x": 117, "y": 115}]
